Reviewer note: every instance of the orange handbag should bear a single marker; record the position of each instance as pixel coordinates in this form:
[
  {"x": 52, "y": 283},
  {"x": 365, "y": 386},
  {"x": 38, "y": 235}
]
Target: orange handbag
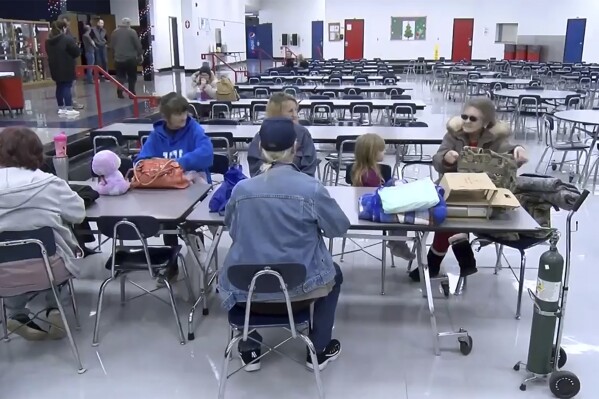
[{"x": 158, "y": 173}]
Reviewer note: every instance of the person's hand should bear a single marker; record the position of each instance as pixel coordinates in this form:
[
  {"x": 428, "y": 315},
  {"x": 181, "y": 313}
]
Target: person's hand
[
  {"x": 520, "y": 156},
  {"x": 451, "y": 157}
]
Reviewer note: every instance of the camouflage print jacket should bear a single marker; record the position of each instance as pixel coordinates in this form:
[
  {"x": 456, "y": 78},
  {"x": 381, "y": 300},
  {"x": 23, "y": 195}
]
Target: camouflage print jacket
[{"x": 495, "y": 139}]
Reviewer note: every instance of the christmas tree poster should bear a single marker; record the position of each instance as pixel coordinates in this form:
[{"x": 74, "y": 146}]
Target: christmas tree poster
[{"x": 406, "y": 28}]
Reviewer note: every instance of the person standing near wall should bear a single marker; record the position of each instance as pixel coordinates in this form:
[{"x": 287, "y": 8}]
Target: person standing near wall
[
  {"x": 67, "y": 21},
  {"x": 62, "y": 54},
  {"x": 99, "y": 36},
  {"x": 128, "y": 53},
  {"x": 90, "y": 52}
]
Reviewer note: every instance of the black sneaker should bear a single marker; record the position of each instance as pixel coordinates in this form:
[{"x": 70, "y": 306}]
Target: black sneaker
[
  {"x": 25, "y": 327},
  {"x": 331, "y": 353},
  {"x": 465, "y": 256},
  {"x": 247, "y": 357}
]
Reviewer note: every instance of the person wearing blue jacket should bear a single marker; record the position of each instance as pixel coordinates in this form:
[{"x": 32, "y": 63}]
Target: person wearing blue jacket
[{"x": 178, "y": 136}]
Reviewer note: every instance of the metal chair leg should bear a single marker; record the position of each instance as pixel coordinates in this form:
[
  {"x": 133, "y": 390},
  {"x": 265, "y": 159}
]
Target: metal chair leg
[
  {"x": 224, "y": 372},
  {"x": 74, "y": 304},
  {"x": 521, "y": 283},
  {"x": 80, "y": 368},
  {"x": 169, "y": 288},
  {"x": 343, "y": 249},
  {"x": 314, "y": 361},
  {"x": 123, "y": 294},
  {"x": 499, "y": 252},
  {"x": 187, "y": 279},
  {"x": 3, "y": 319},
  {"x": 383, "y": 267},
  {"x": 99, "y": 310}
]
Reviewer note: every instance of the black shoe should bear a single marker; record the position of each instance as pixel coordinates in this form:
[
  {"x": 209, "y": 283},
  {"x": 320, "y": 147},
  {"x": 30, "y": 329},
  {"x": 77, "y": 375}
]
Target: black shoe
[
  {"x": 331, "y": 353},
  {"x": 434, "y": 266},
  {"x": 119, "y": 94},
  {"x": 25, "y": 327},
  {"x": 465, "y": 256},
  {"x": 247, "y": 357}
]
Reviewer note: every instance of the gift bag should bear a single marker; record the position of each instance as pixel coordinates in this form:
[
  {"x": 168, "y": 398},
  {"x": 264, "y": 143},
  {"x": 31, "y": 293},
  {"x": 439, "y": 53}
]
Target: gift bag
[{"x": 501, "y": 168}]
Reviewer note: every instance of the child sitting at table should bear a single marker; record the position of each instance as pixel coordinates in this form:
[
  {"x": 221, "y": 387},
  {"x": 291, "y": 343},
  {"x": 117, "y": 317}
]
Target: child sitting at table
[
  {"x": 178, "y": 136},
  {"x": 366, "y": 172}
]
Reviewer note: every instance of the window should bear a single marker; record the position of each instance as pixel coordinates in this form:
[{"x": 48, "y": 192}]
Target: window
[{"x": 506, "y": 33}]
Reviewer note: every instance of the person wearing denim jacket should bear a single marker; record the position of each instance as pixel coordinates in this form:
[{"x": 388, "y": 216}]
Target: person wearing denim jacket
[{"x": 282, "y": 216}]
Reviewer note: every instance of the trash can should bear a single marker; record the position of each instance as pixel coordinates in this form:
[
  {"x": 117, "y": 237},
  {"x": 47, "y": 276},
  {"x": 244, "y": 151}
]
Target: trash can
[
  {"x": 534, "y": 53},
  {"x": 509, "y": 52},
  {"x": 521, "y": 51}
]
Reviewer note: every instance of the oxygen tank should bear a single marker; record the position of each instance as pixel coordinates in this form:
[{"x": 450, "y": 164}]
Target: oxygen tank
[{"x": 548, "y": 290}]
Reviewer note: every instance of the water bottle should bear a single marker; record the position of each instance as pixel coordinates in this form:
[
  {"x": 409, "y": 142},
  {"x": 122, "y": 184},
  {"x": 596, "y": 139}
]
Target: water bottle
[{"x": 60, "y": 145}]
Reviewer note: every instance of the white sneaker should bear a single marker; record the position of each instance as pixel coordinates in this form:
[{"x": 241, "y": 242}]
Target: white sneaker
[
  {"x": 62, "y": 111},
  {"x": 72, "y": 112}
]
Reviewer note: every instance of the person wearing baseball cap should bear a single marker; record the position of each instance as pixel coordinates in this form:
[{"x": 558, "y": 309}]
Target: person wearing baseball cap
[{"x": 280, "y": 217}]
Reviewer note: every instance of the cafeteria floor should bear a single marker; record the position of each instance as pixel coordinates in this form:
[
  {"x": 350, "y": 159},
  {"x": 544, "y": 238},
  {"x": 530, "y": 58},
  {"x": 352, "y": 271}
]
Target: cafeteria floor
[{"x": 387, "y": 345}]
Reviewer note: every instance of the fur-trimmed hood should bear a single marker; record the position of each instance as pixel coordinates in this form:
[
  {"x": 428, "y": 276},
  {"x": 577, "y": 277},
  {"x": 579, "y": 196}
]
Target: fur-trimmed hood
[{"x": 501, "y": 130}]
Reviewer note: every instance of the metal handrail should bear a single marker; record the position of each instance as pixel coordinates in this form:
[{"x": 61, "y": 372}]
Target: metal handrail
[
  {"x": 262, "y": 51},
  {"x": 215, "y": 57},
  {"x": 97, "y": 72}
]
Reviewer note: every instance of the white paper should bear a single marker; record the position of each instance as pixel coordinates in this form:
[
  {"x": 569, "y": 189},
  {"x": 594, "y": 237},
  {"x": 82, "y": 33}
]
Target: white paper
[{"x": 348, "y": 27}]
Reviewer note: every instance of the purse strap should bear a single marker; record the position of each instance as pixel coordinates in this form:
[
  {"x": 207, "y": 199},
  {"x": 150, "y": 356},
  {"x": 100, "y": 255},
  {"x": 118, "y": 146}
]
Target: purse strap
[{"x": 164, "y": 169}]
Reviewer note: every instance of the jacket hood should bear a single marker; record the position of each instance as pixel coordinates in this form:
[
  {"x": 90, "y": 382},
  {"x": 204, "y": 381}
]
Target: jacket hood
[
  {"x": 21, "y": 186},
  {"x": 55, "y": 39},
  {"x": 161, "y": 129},
  {"x": 499, "y": 130}
]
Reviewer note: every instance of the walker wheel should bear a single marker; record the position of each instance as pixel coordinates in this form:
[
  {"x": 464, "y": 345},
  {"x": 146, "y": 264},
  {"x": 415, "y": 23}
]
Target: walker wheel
[
  {"x": 563, "y": 358},
  {"x": 517, "y": 367},
  {"x": 465, "y": 345},
  {"x": 523, "y": 387},
  {"x": 564, "y": 384},
  {"x": 553, "y": 167}
]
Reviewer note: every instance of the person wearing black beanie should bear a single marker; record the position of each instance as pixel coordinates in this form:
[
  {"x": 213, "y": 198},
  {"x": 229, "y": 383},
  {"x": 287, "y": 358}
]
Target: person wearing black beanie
[{"x": 203, "y": 84}]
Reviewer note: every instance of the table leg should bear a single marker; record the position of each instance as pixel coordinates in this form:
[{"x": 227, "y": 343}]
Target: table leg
[
  {"x": 585, "y": 174},
  {"x": 426, "y": 279},
  {"x": 206, "y": 279}
]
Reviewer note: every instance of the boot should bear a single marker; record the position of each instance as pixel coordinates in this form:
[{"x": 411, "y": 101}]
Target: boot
[
  {"x": 434, "y": 266},
  {"x": 464, "y": 254}
]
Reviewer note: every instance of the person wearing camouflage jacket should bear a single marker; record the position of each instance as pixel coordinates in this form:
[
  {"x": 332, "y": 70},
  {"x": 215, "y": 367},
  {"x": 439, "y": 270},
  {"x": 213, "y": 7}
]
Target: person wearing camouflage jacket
[{"x": 477, "y": 127}]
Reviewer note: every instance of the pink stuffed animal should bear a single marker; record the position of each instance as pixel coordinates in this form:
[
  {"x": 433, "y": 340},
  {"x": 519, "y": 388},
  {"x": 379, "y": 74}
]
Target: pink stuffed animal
[{"x": 111, "y": 181}]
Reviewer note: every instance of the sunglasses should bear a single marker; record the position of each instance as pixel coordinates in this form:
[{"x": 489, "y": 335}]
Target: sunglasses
[{"x": 469, "y": 117}]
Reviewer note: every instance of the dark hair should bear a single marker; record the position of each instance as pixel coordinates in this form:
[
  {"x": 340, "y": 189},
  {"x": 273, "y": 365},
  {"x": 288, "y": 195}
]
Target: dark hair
[
  {"x": 20, "y": 147},
  {"x": 205, "y": 69},
  {"x": 173, "y": 104},
  {"x": 57, "y": 28}
]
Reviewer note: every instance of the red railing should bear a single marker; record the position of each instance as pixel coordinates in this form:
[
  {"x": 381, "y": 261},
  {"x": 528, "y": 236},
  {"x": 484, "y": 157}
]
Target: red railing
[
  {"x": 97, "y": 72},
  {"x": 214, "y": 58},
  {"x": 266, "y": 57},
  {"x": 289, "y": 53}
]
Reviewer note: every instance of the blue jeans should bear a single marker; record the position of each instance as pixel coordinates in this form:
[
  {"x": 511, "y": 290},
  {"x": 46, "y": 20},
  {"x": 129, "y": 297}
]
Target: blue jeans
[
  {"x": 64, "y": 94},
  {"x": 322, "y": 322},
  {"x": 101, "y": 58},
  {"x": 90, "y": 57}
]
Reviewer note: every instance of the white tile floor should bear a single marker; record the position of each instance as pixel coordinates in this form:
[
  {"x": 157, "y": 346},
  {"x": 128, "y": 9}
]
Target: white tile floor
[{"x": 387, "y": 346}]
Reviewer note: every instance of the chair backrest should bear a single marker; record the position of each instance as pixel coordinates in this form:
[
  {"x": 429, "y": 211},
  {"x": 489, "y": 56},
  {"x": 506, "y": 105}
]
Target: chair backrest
[
  {"x": 319, "y": 97},
  {"x": 261, "y": 91},
  {"x": 221, "y": 140},
  {"x": 333, "y": 82},
  {"x": 345, "y": 143},
  {"x": 241, "y": 276},
  {"x": 25, "y": 245},
  {"x": 322, "y": 107},
  {"x": 221, "y": 107},
  {"x": 256, "y": 107},
  {"x": 394, "y": 91},
  {"x": 143, "y": 136},
  {"x": 106, "y": 140},
  {"x": 221, "y": 122},
  {"x": 352, "y": 91},
  {"x": 220, "y": 164},
  {"x": 192, "y": 111},
  {"x": 278, "y": 81},
  {"x": 353, "y": 97},
  {"x": 360, "y": 108},
  {"x": 573, "y": 101},
  {"x": 305, "y": 122},
  {"x": 529, "y": 100},
  {"x": 254, "y": 81},
  {"x": 134, "y": 228},
  {"x": 137, "y": 120},
  {"x": 401, "y": 97},
  {"x": 386, "y": 173}
]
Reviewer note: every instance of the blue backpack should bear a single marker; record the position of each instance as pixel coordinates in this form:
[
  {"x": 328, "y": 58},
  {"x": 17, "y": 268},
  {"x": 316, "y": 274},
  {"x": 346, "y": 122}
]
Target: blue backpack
[{"x": 221, "y": 196}]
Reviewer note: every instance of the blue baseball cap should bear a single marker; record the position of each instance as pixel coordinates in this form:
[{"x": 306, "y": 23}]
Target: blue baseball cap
[{"x": 277, "y": 134}]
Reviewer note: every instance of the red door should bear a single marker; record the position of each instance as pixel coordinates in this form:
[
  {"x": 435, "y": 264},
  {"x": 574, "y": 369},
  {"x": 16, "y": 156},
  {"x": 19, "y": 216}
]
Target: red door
[
  {"x": 354, "y": 39},
  {"x": 463, "y": 31}
]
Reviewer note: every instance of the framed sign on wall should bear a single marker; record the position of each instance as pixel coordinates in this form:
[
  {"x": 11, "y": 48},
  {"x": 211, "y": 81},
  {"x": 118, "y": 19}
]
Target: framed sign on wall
[
  {"x": 335, "y": 32},
  {"x": 408, "y": 28}
]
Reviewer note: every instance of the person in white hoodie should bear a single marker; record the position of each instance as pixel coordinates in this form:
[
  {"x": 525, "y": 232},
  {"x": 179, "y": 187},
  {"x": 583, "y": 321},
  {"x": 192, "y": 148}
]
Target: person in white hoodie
[{"x": 31, "y": 199}]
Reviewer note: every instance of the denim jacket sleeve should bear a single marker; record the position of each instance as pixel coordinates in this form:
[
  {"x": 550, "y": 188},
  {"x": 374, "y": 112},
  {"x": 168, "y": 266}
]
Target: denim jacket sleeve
[{"x": 329, "y": 215}]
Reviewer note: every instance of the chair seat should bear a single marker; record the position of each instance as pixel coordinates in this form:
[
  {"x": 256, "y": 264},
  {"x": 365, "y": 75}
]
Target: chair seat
[
  {"x": 571, "y": 146},
  {"x": 237, "y": 318},
  {"x": 134, "y": 259},
  {"x": 521, "y": 244},
  {"x": 333, "y": 158}
]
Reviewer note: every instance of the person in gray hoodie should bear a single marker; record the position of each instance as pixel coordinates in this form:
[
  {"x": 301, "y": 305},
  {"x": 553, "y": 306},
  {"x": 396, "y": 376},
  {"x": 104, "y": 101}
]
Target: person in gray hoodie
[
  {"x": 31, "y": 199},
  {"x": 99, "y": 36},
  {"x": 306, "y": 160},
  {"x": 128, "y": 53}
]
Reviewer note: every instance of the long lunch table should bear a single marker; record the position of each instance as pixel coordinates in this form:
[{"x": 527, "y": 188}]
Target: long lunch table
[
  {"x": 321, "y": 88},
  {"x": 325, "y": 77},
  {"x": 347, "y": 197},
  {"x": 508, "y": 82},
  {"x": 320, "y": 134},
  {"x": 484, "y": 74}
]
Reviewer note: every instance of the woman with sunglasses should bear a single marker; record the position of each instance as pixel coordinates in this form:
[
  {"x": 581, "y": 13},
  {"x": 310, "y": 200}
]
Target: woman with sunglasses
[{"x": 476, "y": 127}]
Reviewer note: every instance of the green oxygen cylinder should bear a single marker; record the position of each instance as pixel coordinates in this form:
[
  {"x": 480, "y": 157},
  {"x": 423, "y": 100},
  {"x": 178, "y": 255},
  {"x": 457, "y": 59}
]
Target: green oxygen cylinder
[{"x": 548, "y": 291}]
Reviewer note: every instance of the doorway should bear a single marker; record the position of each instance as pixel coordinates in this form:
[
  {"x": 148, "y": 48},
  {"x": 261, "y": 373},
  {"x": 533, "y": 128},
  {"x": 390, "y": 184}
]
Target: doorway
[
  {"x": 575, "y": 40},
  {"x": 174, "y": 34},
  {"x": 317, "y": 39},
  {"x": 463, "y": 32},
  {"x": 354, "y": 39}
]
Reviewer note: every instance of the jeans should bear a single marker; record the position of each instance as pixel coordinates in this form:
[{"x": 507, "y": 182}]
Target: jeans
[
  {"x": 101, "y": 58},
  {"x": 322, "y": 322},
  {"x": 126, "y": 71},
  {"x": 64, "y": 94},
  {"x": 17, "y": 305},
  {"x": 90, "y": 57}
]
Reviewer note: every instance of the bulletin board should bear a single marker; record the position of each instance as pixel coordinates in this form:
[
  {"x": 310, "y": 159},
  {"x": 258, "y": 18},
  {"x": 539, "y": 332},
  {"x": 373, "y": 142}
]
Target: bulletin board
[
  {"x": 408, "y": 28},
  {"x": 335, "y": 32}
]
